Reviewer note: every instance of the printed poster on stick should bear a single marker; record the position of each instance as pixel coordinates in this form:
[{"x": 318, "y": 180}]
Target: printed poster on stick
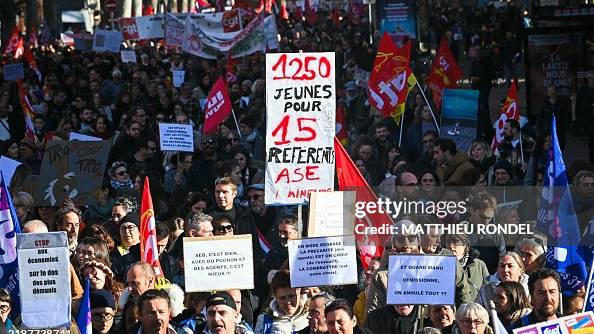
[
  {"x": 43, "y": 271},
  {"x": 218, "y": 263},
  {"x": 301, "y": 105},
  {"x": 582, "y": 323},
  {"x": 421, "y": 279},
  {"x": 323, "y": 261}
]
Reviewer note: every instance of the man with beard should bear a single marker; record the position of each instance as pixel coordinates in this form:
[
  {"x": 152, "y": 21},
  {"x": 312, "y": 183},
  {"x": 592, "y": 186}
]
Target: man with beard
[
  {"x": 68, "y": 220},
  {"x": 426, "y": 160},
  {"x": 264, "y": 216},
  {"x": 545, "y": 289},
  {"x": 382, "y": 137},
  {"x": 125, "y": 140},
  {"x": 516, "y": 147}
]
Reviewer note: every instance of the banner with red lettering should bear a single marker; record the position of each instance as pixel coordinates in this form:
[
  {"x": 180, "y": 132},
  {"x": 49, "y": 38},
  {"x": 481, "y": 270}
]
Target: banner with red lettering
[
  {"x": 217, "y": 107},
  {"x": 445, "y": 72},
  {"x": 388, "y": 79},
  {"x": 301, "y": 114},
  {"x": 509, "y": 110}
]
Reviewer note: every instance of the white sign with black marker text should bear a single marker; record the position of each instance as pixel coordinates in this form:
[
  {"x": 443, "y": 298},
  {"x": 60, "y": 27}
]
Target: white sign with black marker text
[
  {"x": 218, "y": 263},
  {"x": 176, "y": 137},
  {"x": 421, "y": 279},
  {"x": 323, "y": 261},
  {"x": 44, "y": 260}
]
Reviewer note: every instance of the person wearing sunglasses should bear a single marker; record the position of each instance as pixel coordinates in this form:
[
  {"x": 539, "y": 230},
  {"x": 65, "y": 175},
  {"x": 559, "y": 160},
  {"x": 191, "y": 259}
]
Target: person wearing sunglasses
[
  {"x": 119, "y": 175},
  {"x": 103, "y": 309},
  {"x": 222, "y": 224},
  {"x": 5, "y": 308}
]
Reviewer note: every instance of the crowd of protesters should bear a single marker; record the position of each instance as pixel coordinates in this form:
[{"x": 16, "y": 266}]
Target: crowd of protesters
[{"x": 219, "y": 189}]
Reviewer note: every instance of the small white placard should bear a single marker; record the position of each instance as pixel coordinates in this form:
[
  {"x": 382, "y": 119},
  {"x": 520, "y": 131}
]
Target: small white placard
[{"x": 176, "y": 137}]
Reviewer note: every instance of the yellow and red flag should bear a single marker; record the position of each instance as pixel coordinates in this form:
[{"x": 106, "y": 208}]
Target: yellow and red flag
[{"x": 389, "y": 77}]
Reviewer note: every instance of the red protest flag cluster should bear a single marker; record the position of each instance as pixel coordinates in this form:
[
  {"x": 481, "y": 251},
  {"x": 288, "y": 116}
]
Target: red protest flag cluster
[
  {"x": 217, "y": 107},
  {"x": 445, "y": 72},
  {"x": 509, "y": 110},
  {"x": 389, "y": 76}
]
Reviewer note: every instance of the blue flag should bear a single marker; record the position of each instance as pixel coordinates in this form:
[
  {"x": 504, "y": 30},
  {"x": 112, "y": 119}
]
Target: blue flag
[
  {"x": 83, "y": 318},
  {"x": 9, "y": 227},
  {"x": 557, "y": 219}
]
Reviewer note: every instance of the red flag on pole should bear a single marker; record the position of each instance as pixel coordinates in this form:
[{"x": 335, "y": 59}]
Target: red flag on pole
[
  {"x": 388, "y": 79},
  {"x": 445, "y": 72},
  {"x": 13, "y": 42},
  {"x": 149, "y": 252},
  {"x": 20, "y": 49},
  {"x": 349, "y": 178},
  {"x": 217, "y": 107},
  {"x": 27, "y": 111},
  {"x": 509, "y": 110}
]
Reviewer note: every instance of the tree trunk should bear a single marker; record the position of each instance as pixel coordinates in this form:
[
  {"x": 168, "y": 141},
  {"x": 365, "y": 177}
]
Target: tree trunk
[
  {"x": 51, "y": 16},
  {"x": 8, "y": 11}
]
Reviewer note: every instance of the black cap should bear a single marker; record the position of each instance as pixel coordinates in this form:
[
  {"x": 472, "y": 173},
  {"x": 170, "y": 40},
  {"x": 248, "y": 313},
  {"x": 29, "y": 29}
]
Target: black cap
[
  {"x": 221, "y": 298},
  {"x": 102, "y": 298},
  {"x": 131, "y": 217}
]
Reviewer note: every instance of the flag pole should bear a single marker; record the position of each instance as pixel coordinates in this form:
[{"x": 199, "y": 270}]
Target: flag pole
[
  {"x": 588, "y": 287},
  {"x": 429, "y": 105},
  {"x": 236, "y": 124},
  {"x": 521, "y": 148},
  {"x": 401, "y": 128}
]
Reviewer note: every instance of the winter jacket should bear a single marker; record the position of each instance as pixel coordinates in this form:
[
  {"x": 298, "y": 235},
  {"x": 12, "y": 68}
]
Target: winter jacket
[
  {"x": 475, "y": 272},
  {"x": 386, "y": 320},
  {"x": 275, "y": 322},
  {"x": 487, "y": 291},
  {"x": 451, "y": 172}
]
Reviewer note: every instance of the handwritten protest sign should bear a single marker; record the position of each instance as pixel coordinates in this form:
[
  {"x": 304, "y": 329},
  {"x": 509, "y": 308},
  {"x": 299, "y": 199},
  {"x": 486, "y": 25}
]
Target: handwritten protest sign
[
  {"x": 13, "y": 72},
  {"x": 72, "y": 169},
  {"x": 178, "y": 78},
  {"x": 331, "y": 213},
  {"x": 43, "y": 260},
  {"x": 218, "y": 263},
  {"x": 421, "y": 279},
  {"x": 128, "y": 56},
  {"x": 301, "y": 112},
  {"x": 323, "y": 261},
  {"x": 176, "y": 137},
  {"x": 582, "y": 323},
  {"x": 107, "y": 41}
]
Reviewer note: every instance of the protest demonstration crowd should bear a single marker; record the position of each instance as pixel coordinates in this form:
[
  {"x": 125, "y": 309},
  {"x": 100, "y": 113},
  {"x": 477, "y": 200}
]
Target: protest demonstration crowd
[{"x": 162, "y": 189}]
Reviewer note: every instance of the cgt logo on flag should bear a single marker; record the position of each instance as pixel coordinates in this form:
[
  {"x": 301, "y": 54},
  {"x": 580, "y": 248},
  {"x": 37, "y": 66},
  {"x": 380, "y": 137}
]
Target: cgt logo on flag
[
  {"x": 552, "y": 329},
  {"x": 231, "y": 21},
  {"x": 217, "y": 108}
]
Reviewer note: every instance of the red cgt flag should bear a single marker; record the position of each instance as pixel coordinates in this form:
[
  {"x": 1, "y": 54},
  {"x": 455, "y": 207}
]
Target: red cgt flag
[
  {"x": 342, "y": 132},
  {"x": 509, "y": 110},
  {"x": 388, "y": 79},
  {"x": 28, "y": 112},
  {"x": 149, "y": 252},
  {"x": 217, "y": 107},
  {"x": 349, "y": 178},
  {"x": 445, "y": 72}
]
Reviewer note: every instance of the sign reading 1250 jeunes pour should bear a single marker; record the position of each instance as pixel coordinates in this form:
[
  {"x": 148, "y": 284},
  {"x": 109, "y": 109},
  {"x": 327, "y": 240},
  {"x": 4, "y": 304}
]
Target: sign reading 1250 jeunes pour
[{"x": 301, "y": 112}]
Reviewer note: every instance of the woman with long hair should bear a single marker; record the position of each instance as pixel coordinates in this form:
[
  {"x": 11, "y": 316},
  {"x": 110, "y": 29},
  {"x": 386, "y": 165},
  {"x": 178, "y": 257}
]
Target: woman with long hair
[
  {"x": 511, "y": 303},
  {"x": 481, "y": 156}
]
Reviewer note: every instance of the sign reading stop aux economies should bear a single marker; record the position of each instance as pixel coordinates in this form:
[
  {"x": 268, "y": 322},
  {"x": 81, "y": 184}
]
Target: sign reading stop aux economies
[
  {"x": 43, "y": 260},
  {"x": 301, "y": 117}
]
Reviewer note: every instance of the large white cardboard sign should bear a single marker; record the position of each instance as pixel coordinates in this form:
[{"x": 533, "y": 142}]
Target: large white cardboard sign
[
  {"x": 176, "y": 137},
  {"x": 218, "y": 263},
  {"x": 323, "y": 261},
  {"x": 331, "y": 213},
  {"x": 421, "y": 279},
  {"x": 43, "y": 260},
  {"x": 301, "y": 117}
]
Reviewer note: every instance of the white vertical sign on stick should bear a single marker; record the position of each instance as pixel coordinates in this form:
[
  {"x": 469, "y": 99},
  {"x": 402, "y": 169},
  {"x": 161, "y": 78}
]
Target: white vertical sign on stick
[{"x": 301, "y": 117}]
